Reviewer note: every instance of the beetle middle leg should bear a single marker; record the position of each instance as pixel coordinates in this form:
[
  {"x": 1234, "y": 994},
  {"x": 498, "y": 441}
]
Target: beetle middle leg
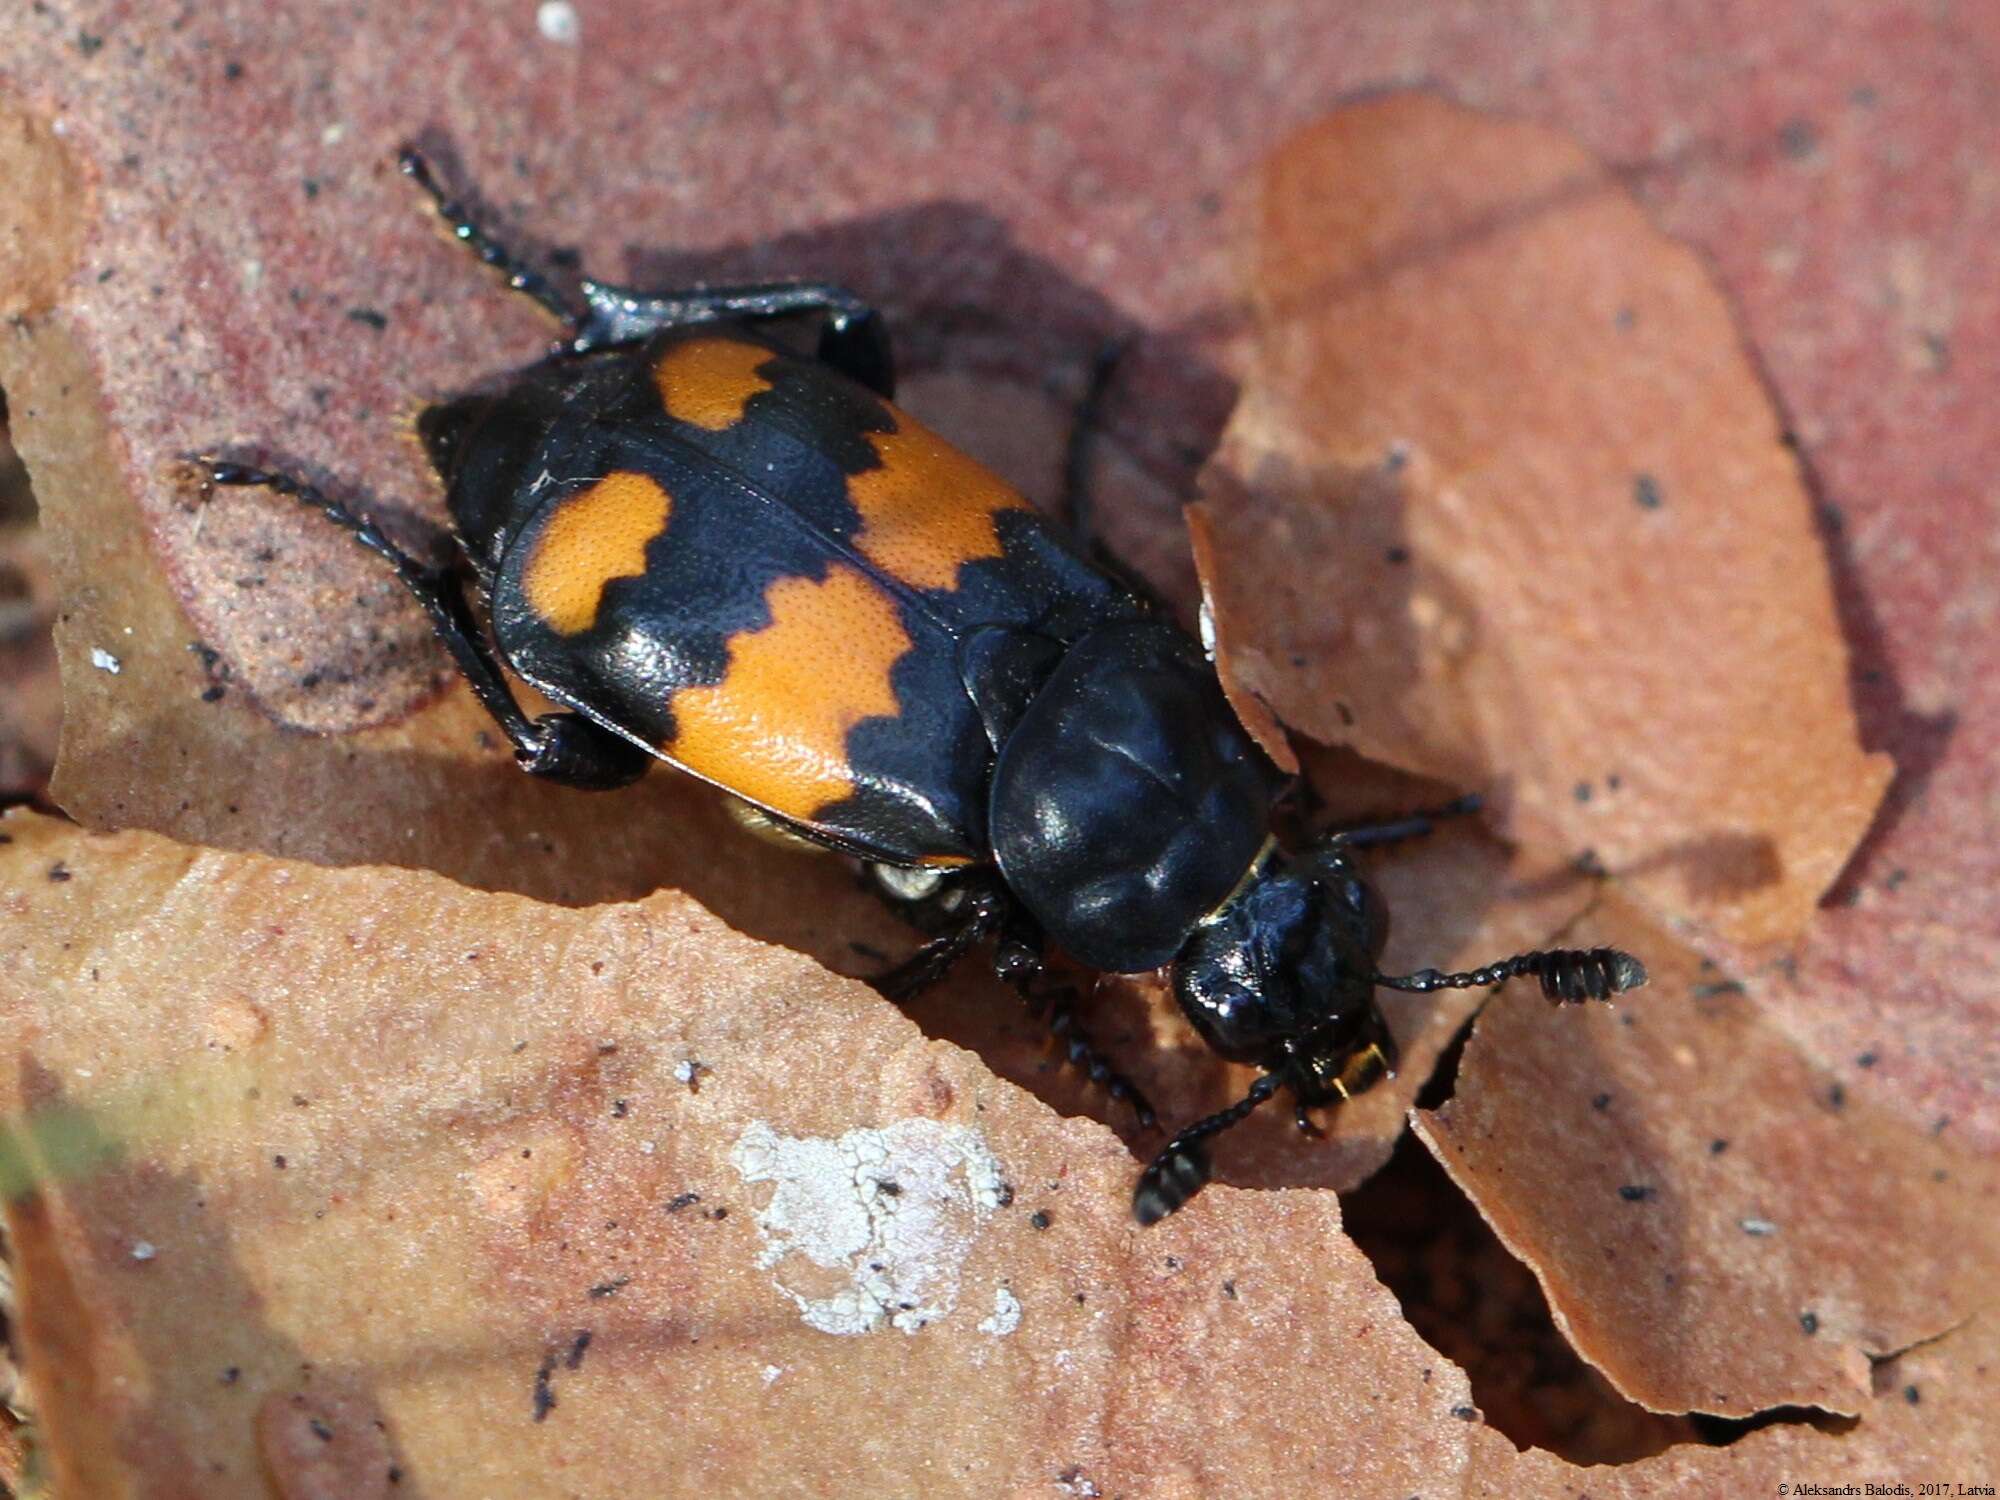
[
  {"x": 562, "y": 747},
  {"x": 853, "y": 337}
]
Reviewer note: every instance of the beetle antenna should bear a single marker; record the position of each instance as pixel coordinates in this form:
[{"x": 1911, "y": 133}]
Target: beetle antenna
[
  {"x": 1181, "y": 1169},
  {"x": 1566, "y": 974}
]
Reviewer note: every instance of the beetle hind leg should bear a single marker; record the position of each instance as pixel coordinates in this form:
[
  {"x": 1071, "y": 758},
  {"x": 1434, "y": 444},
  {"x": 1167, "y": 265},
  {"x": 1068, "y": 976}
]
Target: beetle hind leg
[
  {"x": 561, "y": 747},
  {"x": 853, "y": 337},
  {"x": 458, "y": 218}
]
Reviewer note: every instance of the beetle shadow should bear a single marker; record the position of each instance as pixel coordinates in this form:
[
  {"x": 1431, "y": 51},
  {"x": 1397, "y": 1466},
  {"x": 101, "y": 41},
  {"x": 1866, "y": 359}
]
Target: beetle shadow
[{"x": 1887, "y": 722}]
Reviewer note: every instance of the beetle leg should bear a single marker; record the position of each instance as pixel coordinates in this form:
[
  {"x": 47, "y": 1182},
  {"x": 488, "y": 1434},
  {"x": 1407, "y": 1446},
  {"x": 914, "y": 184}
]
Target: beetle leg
[
  {"x": 467, "y": 231},
  {"x": 1380, "y": 831},
  {"x": 1020, "y": 964},
  {"x": 1075, "y": 508},
  {"x": 930, "y": 963},
  {"x": 1085, "y": 425},
  {"x": 853, "y": 337},
  {"x": 560, "y": 747}
]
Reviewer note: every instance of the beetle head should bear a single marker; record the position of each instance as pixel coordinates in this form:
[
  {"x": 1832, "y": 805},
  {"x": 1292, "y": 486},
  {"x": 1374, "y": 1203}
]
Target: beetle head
[{"x": 1282, "y": 974}]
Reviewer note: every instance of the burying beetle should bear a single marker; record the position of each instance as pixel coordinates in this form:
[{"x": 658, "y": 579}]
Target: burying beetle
[{"x": 753, "y": 566}]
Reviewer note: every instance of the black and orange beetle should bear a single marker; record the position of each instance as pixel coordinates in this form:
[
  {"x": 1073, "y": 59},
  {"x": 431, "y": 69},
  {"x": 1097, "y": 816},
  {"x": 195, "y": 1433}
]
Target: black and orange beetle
[{"x": 752, "y": 565}]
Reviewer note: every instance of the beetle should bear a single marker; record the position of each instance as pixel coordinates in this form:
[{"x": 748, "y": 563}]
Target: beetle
[{"x": 748, "y": 562}]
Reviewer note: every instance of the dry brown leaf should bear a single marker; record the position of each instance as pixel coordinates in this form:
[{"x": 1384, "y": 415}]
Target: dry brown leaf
[
  {"x": 296, "y": 1145},
  {"x": 320, "y": 1174},
  {"x": 1709, "y": 1214},
  {"x": 1929, "y": 1413},
  {"x": 1506, "y": 504}
]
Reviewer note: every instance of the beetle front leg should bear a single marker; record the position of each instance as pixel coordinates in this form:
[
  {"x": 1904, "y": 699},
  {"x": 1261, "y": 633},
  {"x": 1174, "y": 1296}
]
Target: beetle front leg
[{"x": 565, "y": 748}]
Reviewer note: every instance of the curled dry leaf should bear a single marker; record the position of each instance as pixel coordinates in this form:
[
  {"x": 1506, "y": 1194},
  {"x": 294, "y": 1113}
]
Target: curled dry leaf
[
  {"x": 610, "y": 1193},
  {"x": 1506, "y": 504},
  {"x": 1928, "y": 1411},
  {"x": 1713, "y": 1219}
]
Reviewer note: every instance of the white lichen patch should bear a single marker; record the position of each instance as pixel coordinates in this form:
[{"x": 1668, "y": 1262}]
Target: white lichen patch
[
  {"x": 557, "y": 21},
  {"x": 892, "y": 1213},
  {"x": 1006, "y": 1314}
]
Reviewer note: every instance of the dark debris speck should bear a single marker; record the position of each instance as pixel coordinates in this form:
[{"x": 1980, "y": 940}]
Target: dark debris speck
[
  {"x": 1633, "y": 1192},
  {"x": 1040, "y": 1219},
  {"x": 545, "y": 1396},
  {"x": 1646, "y": 491},
  {"x": 374, "y": 319},
  {"x": 1809, "y": 1321},
  {"x": 320, "y": 1430}
]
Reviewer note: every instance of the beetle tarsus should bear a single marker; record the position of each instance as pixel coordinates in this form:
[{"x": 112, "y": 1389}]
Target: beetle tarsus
[
  {"x": 561, "y": 747},
  {"x": 1378, "y": 832},
  {"x": 1084, "y": 1055},
  {"x": 930, "y": 963},
  {"x": 464, "y": 228}
]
